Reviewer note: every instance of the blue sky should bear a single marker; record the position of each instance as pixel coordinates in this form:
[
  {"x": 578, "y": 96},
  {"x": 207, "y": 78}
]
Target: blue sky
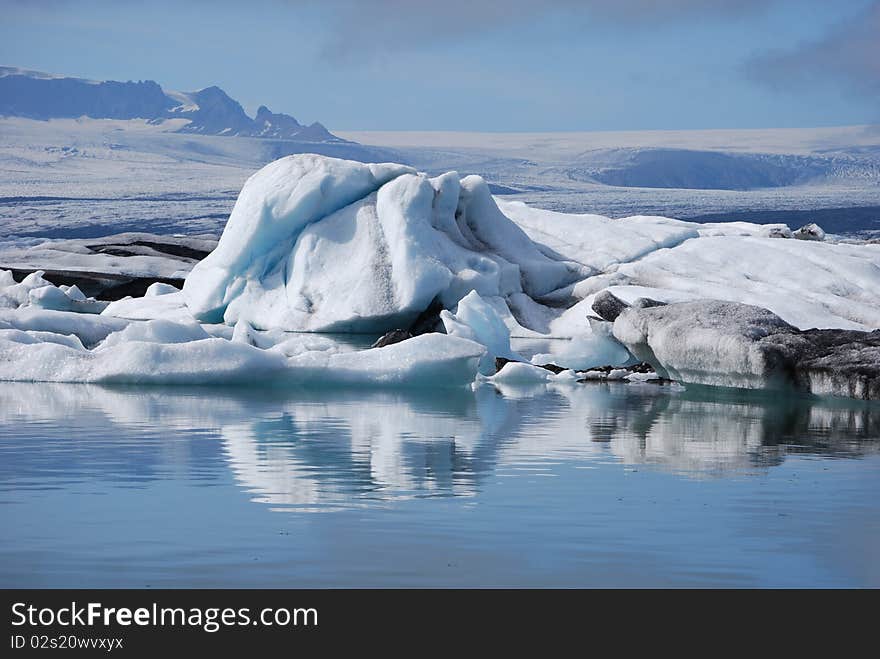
[{"x": 480, "y": 65}]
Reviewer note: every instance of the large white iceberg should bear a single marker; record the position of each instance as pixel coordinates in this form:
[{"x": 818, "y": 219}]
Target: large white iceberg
[{"x": 318, "y": 244}]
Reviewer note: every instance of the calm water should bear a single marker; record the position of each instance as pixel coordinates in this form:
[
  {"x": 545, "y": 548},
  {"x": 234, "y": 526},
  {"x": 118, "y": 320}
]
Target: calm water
[{"x": 595, "y": 485}]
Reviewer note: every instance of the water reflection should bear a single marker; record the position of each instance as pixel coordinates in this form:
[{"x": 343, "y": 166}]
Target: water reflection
[{"x": 323, "y": 451}]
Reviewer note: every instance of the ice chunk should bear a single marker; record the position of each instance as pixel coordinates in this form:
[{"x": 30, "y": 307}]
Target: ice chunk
[
  {"x": 14, "y": 295},
  {"x": 28, "y": 337},
  {"x": 701, "y": 342},
  {"x": 317, "y": 244},
  {"x": 580, "y": 353},
  {"x": 89, "y": 328},
  {"x": 156, "y": 331},
  {"x": 808, "y": 284},
  {"x": 161, "y": 352},
  {"x": 50, "y": 297},
  {"x": 523, "y": 373},
  {"x": 738, "y": 345},
  {"x": 158, "y": 288},
  {"x": 73, "y": 293},
  {"x": 168, "y": 306},
  {"x": 35, "y": 290},
  {"x": 244, "y": 333},
  {"x": 474, "y": 319},
  {"x": 364, "y": 268},
  {"x": 428, "y": 360},
  {"x": 777, "y": 231}
]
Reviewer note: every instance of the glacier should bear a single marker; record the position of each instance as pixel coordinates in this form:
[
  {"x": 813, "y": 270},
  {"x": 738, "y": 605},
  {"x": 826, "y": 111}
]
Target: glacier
[{"x": 317, "y": 245}]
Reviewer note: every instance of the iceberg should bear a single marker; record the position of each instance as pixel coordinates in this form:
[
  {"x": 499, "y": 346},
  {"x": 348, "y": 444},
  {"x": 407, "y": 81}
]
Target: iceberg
[
  {"x": 273, "y": 208},
  {"x": 452, "y": 277},
  {"x": 738, "y": 345},
  {"x": 319, "y": 244},
  {"x": 807, "y": 283}
]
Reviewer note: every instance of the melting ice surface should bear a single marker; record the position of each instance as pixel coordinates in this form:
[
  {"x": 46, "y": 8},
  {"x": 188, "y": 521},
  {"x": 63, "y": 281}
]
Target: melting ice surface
[{"x": 596, "y": 485}]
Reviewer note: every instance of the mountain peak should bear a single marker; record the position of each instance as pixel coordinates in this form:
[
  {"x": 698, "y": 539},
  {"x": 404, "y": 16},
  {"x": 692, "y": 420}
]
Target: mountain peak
[
  {"x": 213, "y": 92},
  {"x": 270, "y": 124},
  {"x": 209, "y": 111}
]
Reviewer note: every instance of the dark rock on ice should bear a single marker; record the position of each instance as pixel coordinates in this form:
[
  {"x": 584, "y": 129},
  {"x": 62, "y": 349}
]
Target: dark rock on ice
[
  {"x": 106, "y": 286},
  {"x": 501, "y": 362},
  {"x": 608, "y": 306},
  {"x": 641, "y": 367},
  {"x": 810, "y": 232},
  {"x": 394, "y": 336},
  {"x": 428, "y": 320}
]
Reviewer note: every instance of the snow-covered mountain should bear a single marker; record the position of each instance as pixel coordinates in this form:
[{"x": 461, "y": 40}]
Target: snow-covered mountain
[{"x": 209, "y": 111}]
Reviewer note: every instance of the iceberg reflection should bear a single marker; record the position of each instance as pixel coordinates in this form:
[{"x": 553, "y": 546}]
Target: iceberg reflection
[{"x": 312, "y": 451}]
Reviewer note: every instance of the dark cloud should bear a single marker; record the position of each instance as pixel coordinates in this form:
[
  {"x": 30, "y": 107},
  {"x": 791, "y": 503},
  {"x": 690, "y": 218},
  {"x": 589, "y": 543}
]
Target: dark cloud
[
  {"x": 362, "y": 26},
  {"x": 847, "y": 56}
]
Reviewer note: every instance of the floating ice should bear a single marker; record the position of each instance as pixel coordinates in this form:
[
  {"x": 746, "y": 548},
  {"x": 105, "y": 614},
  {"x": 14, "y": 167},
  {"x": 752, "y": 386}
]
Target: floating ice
[
  {"x": 474, "y": 319},
  {"x": 317, "y": 244},
  {"x": 523, "y": 373},
  {"x": 597, "y": 348},
  {"x": 158, "y": 288},
  {"x": 808, "y": 284},
  {"x": 738, "y": 345},
  {"x": 160, "y": 353}
]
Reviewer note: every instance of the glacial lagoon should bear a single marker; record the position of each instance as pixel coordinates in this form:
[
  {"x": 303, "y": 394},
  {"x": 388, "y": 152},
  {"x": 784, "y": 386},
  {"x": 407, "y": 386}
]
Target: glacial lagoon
[{"x": 596, "y": 484}]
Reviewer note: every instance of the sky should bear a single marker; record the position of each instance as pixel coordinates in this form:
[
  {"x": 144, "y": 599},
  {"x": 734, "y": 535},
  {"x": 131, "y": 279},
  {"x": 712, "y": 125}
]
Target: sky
[{"x": 479, "y": 65}]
